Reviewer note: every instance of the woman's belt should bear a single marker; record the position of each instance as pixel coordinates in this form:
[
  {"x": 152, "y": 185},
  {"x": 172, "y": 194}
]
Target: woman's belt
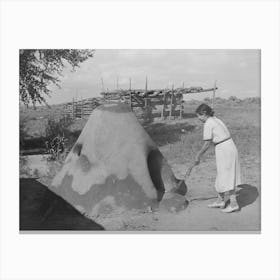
[{"x": 222, "y": 141}]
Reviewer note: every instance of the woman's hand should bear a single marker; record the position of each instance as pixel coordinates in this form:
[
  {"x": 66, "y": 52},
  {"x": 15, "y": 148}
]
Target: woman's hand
[
  {"x": 197, "y": 160},
  {"x": 201, "y": 152}
]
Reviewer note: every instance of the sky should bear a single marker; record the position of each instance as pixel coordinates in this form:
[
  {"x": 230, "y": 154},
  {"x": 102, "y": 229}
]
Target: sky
[{"x": 237, "y": 72}]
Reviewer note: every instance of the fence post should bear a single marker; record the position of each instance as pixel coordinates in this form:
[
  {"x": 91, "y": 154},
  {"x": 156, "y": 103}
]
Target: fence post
[
  {"x": 82, "y": 108},
  {"x": 171, "y": 103},
  {"x": 181, "y": 107},
  {"x": 170, "y": 106},
  {"x": 163, "y": 106},
  {"x": 130, "y": 100},
  {"x": 73, "y": 109},
  {"x": 145, "y": 109},
  {"x": 64, "y": 111},
  {"x": 149, "y": 109},
  {"x": 130, "y": 95}
]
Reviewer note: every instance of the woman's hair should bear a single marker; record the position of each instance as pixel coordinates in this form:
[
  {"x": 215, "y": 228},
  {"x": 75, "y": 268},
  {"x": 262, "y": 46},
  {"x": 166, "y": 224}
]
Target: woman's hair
[{"x": 204, "y": 109}]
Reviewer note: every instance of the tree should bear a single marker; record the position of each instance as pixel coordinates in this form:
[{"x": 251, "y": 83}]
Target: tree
[{"x": 38, "y": 69}]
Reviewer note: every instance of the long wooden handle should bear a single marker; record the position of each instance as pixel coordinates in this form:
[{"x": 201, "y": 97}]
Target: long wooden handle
[{"x": 188, "y": 173}]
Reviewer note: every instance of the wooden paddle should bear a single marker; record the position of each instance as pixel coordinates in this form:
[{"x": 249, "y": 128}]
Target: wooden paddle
[{"x": 188, "y": 173}]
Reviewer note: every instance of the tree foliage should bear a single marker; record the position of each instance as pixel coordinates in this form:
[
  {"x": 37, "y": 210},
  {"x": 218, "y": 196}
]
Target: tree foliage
[{"x": 39, "y": 68}]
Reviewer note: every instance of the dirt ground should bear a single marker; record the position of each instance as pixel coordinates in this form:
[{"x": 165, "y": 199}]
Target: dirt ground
[{"x": 179, "y": 140}]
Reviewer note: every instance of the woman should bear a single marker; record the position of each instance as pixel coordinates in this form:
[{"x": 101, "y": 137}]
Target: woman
[{"x": 228, "y": 168}]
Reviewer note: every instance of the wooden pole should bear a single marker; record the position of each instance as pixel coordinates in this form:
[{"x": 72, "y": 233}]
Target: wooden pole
[
  {"x": 171, "y": 103},
  {"x": 117, "y": 82},
  {"x": 163, "y": 106},
  {"x": 146, "y": 109},
  {"x": 130, "y": 100},
  {"x": 73, "y": 109},
  {"x": 146, "y": 102},
  {"x": 181, "y": 103},
  {"x": 214, "y": 92},
  {"x": 82, "y": 107},
  {"x": 149, "y": 107},
  {"x": 181, "y": 107},
  {"x": 130, "y": 95}
]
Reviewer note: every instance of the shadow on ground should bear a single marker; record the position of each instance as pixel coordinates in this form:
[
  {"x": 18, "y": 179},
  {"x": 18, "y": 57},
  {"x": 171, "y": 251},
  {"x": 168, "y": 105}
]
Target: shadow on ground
[
  {"x": 41, "y": 209},
  {"x": 164, "y": 133},
  {"x": 246, "y": 195}
]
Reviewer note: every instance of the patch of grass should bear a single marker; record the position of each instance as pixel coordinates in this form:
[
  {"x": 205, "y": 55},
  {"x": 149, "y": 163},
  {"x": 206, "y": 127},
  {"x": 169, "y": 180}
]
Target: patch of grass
[{"x": 243, "y": 123}]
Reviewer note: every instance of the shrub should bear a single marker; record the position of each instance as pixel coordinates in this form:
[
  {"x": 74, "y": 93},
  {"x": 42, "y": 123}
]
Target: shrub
[
  {"x": 58, "y": 127},
  {"x": 232, "y": 98},
  {"x": 252, "y": 100},
  {"x": 22, "y": 131},
  {"x": 57, "y": 132}
]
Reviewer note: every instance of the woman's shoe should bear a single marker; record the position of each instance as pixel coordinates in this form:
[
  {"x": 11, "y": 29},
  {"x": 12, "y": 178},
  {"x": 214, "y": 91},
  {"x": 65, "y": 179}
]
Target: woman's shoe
[
  {"x": 230, "y": 209},
  {"x": 217, "y": 204}
]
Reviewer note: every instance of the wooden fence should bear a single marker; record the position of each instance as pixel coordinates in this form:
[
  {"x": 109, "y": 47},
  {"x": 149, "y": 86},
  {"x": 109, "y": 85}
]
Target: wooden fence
[
  {"x": 81, "y": 108},
  {"x": 170, "y": 100}
]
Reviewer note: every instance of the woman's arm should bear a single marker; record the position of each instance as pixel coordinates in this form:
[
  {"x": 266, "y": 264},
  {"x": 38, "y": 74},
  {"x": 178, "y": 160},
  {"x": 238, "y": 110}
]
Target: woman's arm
[
  {"x": 202, "y": 151},
  {"x": 198, "y": 156}
]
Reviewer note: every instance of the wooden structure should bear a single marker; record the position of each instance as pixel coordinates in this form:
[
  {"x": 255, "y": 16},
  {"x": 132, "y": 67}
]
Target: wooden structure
[
  {"x": 82, "y": 108},
  {"x": 170, "y": 100}
]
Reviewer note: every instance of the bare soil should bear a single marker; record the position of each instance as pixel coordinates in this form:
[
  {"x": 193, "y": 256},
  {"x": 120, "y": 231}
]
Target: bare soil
[{"x": 179, "y": 140}]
